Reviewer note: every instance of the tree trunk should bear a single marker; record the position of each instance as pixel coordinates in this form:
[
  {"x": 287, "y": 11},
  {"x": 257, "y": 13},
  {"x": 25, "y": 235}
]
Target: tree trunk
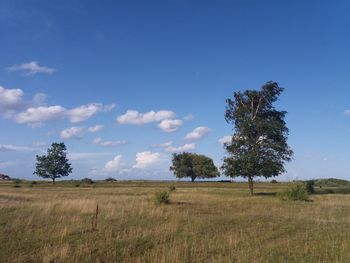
[
  {"x": 250, "y": 182},
  {"x": 53, "y": 180},
  {"x": 193, "y": 178}
]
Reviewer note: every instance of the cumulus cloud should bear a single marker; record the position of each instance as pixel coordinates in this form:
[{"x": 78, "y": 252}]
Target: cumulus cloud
[
  {"x": 225, "y": 139},
  {"x": 137, "y": 118},
  {"x": 32, "y": 68},
  {"x": 170, "y": 125},
  {"x": 114, "y": 165},
  {"x": 197, "y": 133},
  {"x": 183, "y": 148},
  {"x": 10, "y": 101},
  {"x": 85, "y": 112},
  {"x": 37, "y": 116},
  {"x": 100, "y": 142},
  {"x": 72, "y": 133},
  {"x": 147, "y": 159},
  {"x": 95, "y": 128}
]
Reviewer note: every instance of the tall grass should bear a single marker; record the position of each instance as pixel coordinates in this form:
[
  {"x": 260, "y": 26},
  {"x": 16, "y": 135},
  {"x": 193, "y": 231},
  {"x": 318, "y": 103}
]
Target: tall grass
[{"x": 205, "y": 222}]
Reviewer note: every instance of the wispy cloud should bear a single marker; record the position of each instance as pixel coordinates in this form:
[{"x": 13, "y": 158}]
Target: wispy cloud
[
  {"x": 32, "y": 68},
  {"x": 16, "y": 148},
  {"x": 100, "y": 142}
]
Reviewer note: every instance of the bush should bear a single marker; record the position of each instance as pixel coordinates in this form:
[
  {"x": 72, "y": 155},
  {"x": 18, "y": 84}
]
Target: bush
[
  {"x": 77, "y": 185},
  {"x": 273, "y": 181},
  {"x": 172, "y": 188},
  {"x": 110, "y": 179},
  {"x": 17, "y": 181},
  {"x": 162, "y": 197},
  {"x": 296, "y": 192},
  {"x": 310, "y": 186},
  {"x": 87, "y": 181}
]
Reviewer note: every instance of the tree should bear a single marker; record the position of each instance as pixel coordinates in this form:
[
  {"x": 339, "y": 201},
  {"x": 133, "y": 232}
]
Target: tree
[
  {"x": 54, "y": 164},
  {"x": 193, "y": 166},
  {"x": 259, "y": 143}
]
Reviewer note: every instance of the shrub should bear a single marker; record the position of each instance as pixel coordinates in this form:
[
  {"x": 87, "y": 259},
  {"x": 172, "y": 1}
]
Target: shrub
[
  {"x": 17, "y": 181},
  {"x": 77, "y": 185},
  {"x": 172, "y": 188},
  {"x": 273, "y": 181},
  {"x": 87, "y": 181},
  {"x": 110, "y": 179},
  {"x": 296, "y": 192},
  {"x": 162, "y": 197},
  {"x": 310, "y": 186},
  {"x": 34, "y": 182}
]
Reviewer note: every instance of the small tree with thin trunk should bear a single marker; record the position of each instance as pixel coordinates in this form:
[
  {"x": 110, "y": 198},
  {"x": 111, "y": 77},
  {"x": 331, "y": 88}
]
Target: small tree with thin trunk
[
  {"x": 259, "y": 143},
  {"x": 55, "y": 164},
  {"x": 191, "y": 165}
]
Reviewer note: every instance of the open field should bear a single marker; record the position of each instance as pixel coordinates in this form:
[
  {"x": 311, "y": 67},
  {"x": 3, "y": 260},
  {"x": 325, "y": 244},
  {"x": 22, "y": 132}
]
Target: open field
[{"x": 205, "y": 222}]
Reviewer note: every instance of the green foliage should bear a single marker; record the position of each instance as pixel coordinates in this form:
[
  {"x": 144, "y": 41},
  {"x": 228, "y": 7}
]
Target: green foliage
[
  {"x": 191, "y": 165},
  {"x": 172, "y": 188},
  {"x": 295, "y": 192},
  {"x": 273, "y": 181},
  {"x": 17, "y": 181},
  {"x": 110, "y": 179},
  {"x": 331, "y": 182},
  {"x": 259, "y": 145},
  {"x": 162, "y": 197},
  {"x": 87, "y": 181},
  {"x": 310, "y": 186},
  {"x": 77, "y": 185},
  {"x": 54, "y": 164}
]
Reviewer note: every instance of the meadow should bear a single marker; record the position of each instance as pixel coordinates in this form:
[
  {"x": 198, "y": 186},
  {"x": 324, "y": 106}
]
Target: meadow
[{"x": 204, "y": 222}]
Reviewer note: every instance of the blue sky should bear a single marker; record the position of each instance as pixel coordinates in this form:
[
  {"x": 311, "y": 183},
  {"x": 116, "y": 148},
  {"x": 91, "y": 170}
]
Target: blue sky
[{"x": 117, "y": 81}]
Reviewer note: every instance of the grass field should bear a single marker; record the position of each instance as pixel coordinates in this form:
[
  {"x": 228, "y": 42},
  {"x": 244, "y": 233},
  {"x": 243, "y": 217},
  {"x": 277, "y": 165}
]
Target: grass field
[{"x": 204, "y": 222}]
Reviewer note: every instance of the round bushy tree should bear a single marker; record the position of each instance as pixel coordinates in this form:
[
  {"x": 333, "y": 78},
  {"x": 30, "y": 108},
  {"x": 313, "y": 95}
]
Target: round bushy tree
[
  {"x": 191, "y": 165},
  {"x": 55, "y": 164}
]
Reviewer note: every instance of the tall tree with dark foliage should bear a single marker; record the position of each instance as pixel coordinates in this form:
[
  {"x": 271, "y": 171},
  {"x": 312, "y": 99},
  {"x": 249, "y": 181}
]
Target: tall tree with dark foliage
[{"x": 259, "y": 143}]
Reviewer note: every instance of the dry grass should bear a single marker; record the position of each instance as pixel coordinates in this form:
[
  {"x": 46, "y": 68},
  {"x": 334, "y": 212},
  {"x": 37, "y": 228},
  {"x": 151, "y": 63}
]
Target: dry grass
[{"x": 205, "y": 222}]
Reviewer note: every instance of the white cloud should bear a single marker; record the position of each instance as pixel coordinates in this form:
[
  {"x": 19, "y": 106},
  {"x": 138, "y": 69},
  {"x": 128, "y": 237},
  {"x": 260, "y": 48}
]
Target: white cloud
[
  {"x": 347, "y": 112},
  {"x": 170, "y": 125},
  {"x": 10, "y": 101},
  {"x": 225, "y": 139},
  {"x": 72, "y": 133},
  {"x": 32, "y": 68},
  {"x": 39, "y": 144},
  {"x": 85, "y": 112},
  {"x": 36, "y": 116},
  {"x": 114, "y": 165},
  {"x": 100, "y": 142},
  {"x": 10, "y": 147},
  {"x": 183, "y": 148},
  {"x": 197, "y": 133},
  {"x": 147, "y": 159},
  {"x": 95, "y": 128},
  {"x": 137, "y": 118},
  {"x": 165, "y": 144},
  {"x": 85, "y": 155}
]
